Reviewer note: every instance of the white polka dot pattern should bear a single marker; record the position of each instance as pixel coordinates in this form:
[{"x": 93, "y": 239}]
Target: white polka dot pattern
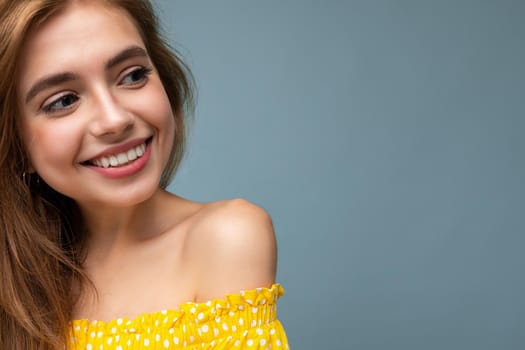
[{"x": 239, "y": 321}]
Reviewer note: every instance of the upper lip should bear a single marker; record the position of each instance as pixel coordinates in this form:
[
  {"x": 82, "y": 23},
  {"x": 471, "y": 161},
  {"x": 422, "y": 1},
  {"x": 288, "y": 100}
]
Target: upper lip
[{"x": 123, "y": 147}]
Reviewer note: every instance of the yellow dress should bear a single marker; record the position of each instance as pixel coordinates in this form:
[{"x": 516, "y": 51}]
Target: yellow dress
[{"x": 247, "y": 320}]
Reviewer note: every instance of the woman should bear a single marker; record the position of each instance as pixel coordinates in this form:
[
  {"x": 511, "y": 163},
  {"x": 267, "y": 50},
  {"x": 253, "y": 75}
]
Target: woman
[{"x": 95, "y": 254}]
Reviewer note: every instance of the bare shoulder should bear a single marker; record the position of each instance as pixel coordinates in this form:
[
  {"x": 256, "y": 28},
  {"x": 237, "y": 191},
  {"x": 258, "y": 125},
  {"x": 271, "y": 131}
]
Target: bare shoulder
[{"x": 232, "y": 247}]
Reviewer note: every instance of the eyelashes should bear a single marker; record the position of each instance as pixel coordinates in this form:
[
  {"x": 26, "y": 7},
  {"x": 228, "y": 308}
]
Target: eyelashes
[
  {"x": 136, "y": 76},
  {"x": 64, "y": 102},
  {"x": 134, "y": 79}
]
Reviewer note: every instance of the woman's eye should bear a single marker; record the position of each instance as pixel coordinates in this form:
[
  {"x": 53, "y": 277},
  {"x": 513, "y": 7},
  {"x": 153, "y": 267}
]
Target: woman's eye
[
  {"x": 61, "y": 103},
  {"x": 136, "y": 77}
]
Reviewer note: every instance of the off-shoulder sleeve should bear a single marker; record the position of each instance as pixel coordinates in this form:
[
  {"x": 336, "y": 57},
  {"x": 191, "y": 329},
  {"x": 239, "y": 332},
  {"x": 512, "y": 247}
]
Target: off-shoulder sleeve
[{"x": 247, "y": 320}]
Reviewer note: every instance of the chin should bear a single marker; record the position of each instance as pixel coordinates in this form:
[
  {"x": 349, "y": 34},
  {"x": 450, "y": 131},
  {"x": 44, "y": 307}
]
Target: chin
[{"x": 119, "y": 197}]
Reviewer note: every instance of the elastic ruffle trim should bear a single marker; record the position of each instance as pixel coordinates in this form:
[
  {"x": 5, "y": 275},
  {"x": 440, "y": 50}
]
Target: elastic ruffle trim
[{"x": 229, "y": 319}]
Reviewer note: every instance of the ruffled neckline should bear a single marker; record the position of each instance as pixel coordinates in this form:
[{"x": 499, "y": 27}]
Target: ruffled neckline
[{"x": 188, "y": 312}]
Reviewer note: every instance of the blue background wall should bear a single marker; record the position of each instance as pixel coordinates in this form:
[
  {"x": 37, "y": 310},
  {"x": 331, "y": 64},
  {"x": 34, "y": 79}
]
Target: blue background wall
[{"x": 386, "y": 139}]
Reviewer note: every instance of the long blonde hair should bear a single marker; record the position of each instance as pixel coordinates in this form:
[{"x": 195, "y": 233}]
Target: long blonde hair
[{"x": 41, "y": 231}]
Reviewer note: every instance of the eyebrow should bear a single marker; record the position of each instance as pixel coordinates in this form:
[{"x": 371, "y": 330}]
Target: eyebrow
[
  {"x": 48, "y": 82},
  {"x": 64, "y": 77},
  {"x": 127, "y": 53}
]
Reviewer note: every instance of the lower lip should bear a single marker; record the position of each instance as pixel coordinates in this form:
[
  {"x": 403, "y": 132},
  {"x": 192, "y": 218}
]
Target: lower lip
[{"x": 126, "y": 170}]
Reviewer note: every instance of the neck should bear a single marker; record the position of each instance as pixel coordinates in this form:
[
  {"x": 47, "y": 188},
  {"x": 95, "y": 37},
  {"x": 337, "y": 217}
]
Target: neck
[{"x": 112, "y": 228}]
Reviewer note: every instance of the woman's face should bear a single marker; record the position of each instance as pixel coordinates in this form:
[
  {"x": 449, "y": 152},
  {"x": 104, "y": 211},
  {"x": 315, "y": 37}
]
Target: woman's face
[{"x": 95, "y": 118}]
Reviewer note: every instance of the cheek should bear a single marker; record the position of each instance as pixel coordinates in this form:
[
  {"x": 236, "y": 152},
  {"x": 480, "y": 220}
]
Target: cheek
[
  {"x": 169, "y": 127},
  {"x": 159, "y": 110},
  {"x": 51, "y": 144}
]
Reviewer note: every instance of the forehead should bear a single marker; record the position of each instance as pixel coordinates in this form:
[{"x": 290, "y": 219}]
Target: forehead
[{"x": 78, "y": 36}]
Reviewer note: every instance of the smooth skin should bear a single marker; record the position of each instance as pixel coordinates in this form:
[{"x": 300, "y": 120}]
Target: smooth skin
[{"x": 148, "y": 249}]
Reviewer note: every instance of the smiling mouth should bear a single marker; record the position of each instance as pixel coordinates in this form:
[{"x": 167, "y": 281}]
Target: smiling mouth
[{"x": 119, "y": 159}]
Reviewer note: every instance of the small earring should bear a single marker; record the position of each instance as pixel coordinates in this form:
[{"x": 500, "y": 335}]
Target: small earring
[
  {"x": 25, "y": 178},
  {"x": 28, "y": 178}
]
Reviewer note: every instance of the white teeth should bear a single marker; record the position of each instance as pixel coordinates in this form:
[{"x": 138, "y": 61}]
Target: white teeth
[
  {"x": 140, "y": 150},
  {"x": 105, "y": 162},
  {"x": 121, "y": 158},
  {"x": 132, "y": 155}
]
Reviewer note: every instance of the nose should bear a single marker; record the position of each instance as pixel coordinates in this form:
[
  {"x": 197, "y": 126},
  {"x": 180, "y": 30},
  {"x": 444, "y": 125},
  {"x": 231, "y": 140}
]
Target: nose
[{"x": 110, "y": 117}]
